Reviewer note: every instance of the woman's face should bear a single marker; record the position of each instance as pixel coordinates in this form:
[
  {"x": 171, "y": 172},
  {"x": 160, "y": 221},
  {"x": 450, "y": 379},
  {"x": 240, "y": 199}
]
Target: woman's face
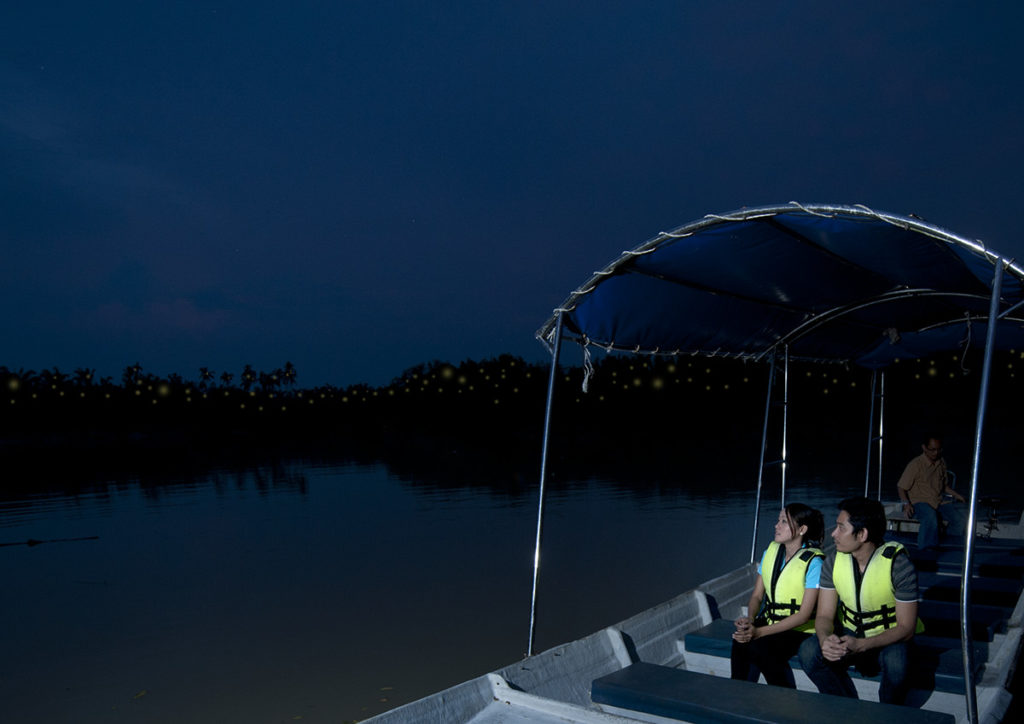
[{"x": 784, "y": 530}]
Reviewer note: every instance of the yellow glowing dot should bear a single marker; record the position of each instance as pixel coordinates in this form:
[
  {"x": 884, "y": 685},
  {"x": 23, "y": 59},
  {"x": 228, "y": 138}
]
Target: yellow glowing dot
[
  {"x": 932, "y": 372},
  {"x": 497, "y": 401},
  {"x": 657, "y": 383},
  {"x": 13, "y": 384},
  {"x": 138, "y": 392},
  {"x": 637, "y": 382}
]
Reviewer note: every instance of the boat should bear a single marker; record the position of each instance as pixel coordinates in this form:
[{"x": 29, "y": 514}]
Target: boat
[{"x": 823, "y": 283}]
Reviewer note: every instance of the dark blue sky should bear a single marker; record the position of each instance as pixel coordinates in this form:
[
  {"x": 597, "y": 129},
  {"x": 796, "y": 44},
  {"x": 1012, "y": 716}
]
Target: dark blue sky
[{"x": 358, "y": 187}]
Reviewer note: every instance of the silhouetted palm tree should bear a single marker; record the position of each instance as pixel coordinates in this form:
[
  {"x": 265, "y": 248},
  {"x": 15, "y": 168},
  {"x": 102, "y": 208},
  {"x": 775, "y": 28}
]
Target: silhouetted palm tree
[
  {"x": 83, "y": 377},
  {"x": 248, "y": 378},
  {"x": 288, "y": 374}
]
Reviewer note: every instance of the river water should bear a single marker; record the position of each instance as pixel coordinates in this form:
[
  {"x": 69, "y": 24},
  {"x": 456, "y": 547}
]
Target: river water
[{"x": 326, "y": 592}]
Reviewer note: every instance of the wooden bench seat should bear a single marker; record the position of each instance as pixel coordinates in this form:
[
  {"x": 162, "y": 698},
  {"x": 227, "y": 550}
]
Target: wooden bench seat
[
  {"x": 985, "y": 591},
  {"x": 700, "y": 698},
  {"x": 938, "y": 661}
]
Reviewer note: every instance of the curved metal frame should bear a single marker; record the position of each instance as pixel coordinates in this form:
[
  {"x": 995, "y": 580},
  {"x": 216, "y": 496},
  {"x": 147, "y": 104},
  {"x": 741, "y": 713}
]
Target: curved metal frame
[
  {"x": 551, "y": 334},
  {"x": 546, "y": 331}
]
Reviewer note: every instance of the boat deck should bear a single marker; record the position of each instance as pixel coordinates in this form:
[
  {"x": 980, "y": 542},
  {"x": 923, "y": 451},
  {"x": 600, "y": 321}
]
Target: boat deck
[
  {"x": 938, "y": 677},
  {"x": 691, "y": 635}
]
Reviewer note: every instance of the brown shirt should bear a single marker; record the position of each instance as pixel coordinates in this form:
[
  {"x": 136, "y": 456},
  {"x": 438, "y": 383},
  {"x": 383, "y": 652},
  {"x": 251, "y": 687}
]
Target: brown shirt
[{"x": 924, "y": 480}]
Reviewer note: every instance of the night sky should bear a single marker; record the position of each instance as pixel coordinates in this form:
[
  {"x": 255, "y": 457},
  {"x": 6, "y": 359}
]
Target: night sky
[{"x": 358, "y": 187}]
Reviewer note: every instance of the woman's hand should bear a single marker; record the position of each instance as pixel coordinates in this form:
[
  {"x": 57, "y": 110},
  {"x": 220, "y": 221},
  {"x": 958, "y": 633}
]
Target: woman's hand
[{"x": 744, "y": 632}]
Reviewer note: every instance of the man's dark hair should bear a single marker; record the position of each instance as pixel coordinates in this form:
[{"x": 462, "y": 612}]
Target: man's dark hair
[
  {"x": 866, "y": 514},
  {"x": 931, "y": 435}
]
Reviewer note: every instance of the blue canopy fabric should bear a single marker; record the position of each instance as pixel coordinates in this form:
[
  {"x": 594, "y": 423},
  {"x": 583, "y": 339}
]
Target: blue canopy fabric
[{"x": 830, "y": 283}]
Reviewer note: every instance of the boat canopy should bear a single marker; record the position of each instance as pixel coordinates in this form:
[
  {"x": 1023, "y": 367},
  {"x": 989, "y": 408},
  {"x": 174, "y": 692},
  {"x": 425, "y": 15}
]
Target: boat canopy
[{"x": 827, "y": 283}]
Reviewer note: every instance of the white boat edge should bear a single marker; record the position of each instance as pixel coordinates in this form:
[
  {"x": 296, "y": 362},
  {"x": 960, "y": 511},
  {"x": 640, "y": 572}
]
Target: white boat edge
[{"x": 554, "y": 685}]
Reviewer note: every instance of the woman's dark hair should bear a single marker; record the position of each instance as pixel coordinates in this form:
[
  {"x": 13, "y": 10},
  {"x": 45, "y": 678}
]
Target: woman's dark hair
[
  {"x": 866, "y": 514},
  {"x": 800, "y": 514}
]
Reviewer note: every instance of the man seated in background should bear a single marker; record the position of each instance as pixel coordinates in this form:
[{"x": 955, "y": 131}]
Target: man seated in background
[{"x": 921, "y": 487}]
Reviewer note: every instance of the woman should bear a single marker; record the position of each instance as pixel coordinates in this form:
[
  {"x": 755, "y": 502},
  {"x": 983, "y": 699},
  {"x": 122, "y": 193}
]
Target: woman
[{"x": 782, "y": 604}]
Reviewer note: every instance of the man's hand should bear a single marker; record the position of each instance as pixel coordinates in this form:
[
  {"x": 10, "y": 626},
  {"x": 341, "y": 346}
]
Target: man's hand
[
  {"x": 834, "y": 648},
  {"x": 957, "y": 497},
  {"x": 908, "y": 509},
  {"x": 853, "y": 644}
]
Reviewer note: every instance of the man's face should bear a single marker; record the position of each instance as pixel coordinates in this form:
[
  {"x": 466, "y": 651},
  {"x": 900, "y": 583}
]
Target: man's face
[
  {"x": 932, "y": 449},
  {"x": 846, "y": 541}
]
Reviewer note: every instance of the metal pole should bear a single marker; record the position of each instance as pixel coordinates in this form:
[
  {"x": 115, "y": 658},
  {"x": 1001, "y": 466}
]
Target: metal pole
[
  {"x": 764, "y": 443},
  {"x": 965, "y": 581},
  {"x": 543, "y": 477},
  {"x": 871, "y": 424},
  {"x": 881, "y": 430},
  {"x": 785, "y": 420}
]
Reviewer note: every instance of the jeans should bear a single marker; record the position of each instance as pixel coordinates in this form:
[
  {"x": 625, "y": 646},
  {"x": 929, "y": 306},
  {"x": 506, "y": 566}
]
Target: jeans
[
  {"x": 929, "y": 518},
  {"x": 831, "y": 677}
]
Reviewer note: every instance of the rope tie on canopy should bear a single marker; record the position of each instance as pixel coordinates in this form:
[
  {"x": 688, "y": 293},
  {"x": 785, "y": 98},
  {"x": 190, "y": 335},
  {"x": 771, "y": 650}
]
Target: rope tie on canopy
[
  {"x": 966, "y": 344},
  {"x": 588, "y": 365}
]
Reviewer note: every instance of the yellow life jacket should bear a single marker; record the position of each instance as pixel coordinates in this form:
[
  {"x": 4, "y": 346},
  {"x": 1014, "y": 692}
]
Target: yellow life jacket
[
  {"x": 784, "y": 585},
  {"x": 869, "y": 608}
]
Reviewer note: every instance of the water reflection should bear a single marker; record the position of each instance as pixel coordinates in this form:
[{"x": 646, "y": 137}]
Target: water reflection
[{"x": 333, "y": 590}]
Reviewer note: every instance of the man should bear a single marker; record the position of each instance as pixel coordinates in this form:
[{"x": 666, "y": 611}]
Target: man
[
  {"x": 921, "y": 487},
  {"x": 873, "y": 587}
]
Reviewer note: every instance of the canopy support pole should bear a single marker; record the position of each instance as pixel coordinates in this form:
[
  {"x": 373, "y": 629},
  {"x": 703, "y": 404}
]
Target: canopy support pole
[
  {"x": 881, "y": 429},
  {"x": 764, "y": 445},
  {"x": 877, "y": 383},
  {"x": 556, "y": 348},
  {"x": 785, "y": 423},
  {"x": 965, "y": 581},
  {"x": 871, "y": 438}
]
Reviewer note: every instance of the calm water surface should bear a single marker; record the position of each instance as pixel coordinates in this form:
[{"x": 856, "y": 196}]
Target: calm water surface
[{"x": 326, "y": 593}]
